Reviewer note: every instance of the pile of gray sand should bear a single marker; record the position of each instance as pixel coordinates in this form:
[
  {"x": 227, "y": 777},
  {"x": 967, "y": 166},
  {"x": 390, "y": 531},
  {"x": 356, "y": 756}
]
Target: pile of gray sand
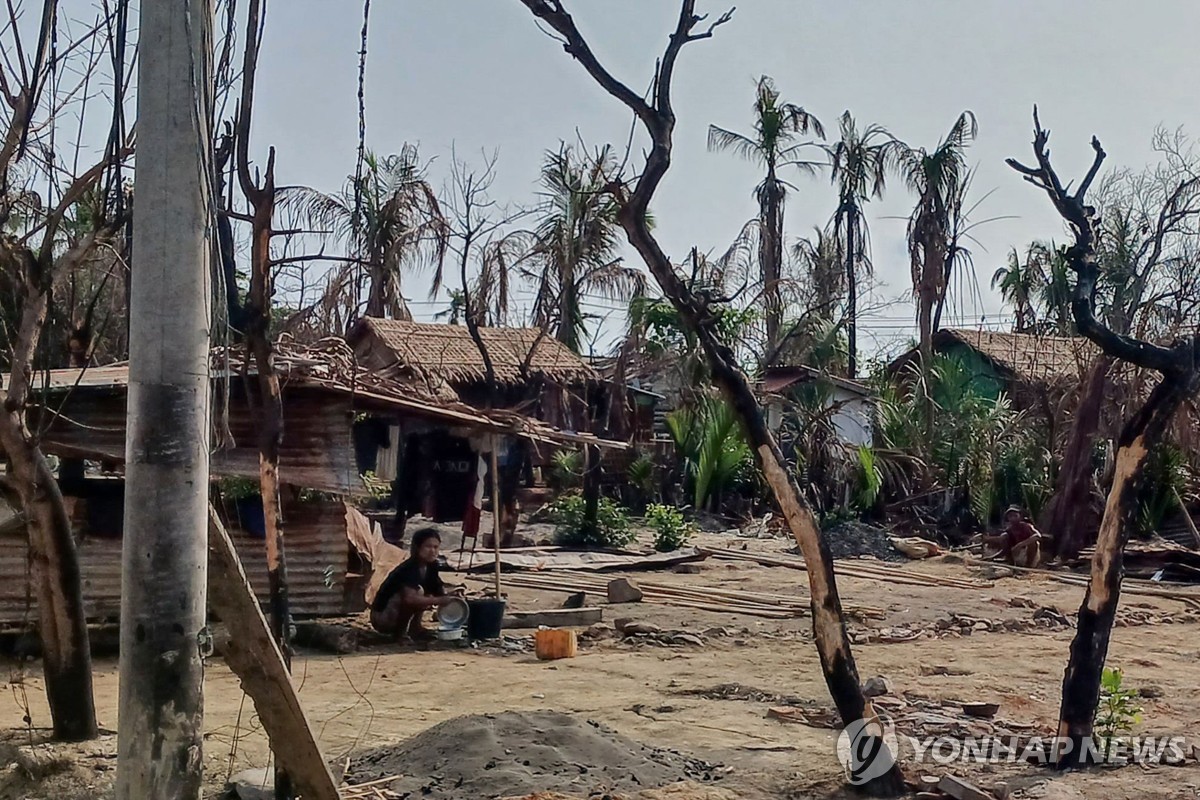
[
  {"x": 517, "y": 753},
  {"x": 853, "y": 539}
]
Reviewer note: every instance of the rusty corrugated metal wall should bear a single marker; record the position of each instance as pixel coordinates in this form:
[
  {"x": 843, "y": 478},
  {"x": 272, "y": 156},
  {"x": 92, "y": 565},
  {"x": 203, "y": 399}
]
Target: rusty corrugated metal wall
[{"x": 315, "y": 539}]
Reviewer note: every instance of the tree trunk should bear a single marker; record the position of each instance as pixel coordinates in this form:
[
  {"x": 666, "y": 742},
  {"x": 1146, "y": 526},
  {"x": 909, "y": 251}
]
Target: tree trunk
[
  {"x": 1081, "y": 684},
  {"x": 1068, "y": 516},
  {"x": 591, "y": 488},
  {"x": 772, "y": 258},
  {"x": 926, "y": 299},
  {"x": 54, "y": 562},
  {"x": 165, "y": 554},
  {"x": 566, "y": 313},
  {"x": 851, "y": 295},
  {"x": 658, "y": 117},
  {"x": 54, "y": 565},
  {"x": 829, "y": 628},
  {"x": 376, "y": 300},
  {"x": 257, "y": 318}
]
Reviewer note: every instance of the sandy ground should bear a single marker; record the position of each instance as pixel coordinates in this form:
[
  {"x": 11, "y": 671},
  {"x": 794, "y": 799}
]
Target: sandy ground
[{"x": 651, "y": 693}]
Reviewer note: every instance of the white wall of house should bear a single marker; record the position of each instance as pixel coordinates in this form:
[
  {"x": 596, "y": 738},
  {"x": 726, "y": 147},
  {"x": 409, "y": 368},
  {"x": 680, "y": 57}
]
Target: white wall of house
[{"x": 852, "y": 420}]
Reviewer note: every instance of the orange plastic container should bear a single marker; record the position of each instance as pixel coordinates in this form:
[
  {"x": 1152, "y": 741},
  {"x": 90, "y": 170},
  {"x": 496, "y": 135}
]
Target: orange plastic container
[{"x": 554, "y": 643}]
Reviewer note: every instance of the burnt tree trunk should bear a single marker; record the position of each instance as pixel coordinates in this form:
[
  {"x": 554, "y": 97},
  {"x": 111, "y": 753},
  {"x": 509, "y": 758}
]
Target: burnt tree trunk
[
  {"x": 1081, "y": 683},
  {"x": 1179, "y": 365},
  {"x": 657, "y": 116},
  {"x": 256, "y": 318},
  {"x": 1068, "y": 516}
]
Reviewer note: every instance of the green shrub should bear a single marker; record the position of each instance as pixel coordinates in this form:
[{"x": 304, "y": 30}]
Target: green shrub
[
  {"x": 566, "y": 470},
  {"x": 1118, "y": 711},
  {"x": 234, "y": 487},
  {"x": 572, "y": 529},
  {"x": 671, "y": 531},
  {"x": 643, "y": 477}
]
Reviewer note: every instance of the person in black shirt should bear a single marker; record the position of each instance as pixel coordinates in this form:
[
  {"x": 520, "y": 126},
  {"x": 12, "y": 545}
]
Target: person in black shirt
[{"x": 411, "y": 589}]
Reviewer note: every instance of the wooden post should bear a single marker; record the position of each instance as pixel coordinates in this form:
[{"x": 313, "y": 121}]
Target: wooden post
[
  {"x": 495, "y": 462},
  {"x": 1187, "y": 517},
  {"x": 255, "y": 657}
]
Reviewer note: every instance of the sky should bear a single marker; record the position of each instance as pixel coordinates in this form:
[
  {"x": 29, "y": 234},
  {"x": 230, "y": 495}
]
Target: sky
[{"x": 478, "y": 75}]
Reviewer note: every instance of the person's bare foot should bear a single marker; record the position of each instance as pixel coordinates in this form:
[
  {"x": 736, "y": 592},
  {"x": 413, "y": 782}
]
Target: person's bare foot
[{"x": 421, "y": 634}]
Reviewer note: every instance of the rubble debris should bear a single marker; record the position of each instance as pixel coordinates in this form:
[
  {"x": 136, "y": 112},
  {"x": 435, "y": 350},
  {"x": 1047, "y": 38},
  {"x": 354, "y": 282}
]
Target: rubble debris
[
  {"x": 960, "y": 789},
  {"x": 981, "y": 710},
  {"x": 598, "y": 631},
  {"x": 877, "y": 686},
  {"x": 623, "y": 590},
  {"x": 737, "y": 691},
  {"x": 640, "y": 629}
]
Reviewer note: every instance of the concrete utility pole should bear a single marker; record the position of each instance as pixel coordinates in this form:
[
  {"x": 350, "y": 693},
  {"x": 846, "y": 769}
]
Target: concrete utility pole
[{"x": 166, "y": 496}]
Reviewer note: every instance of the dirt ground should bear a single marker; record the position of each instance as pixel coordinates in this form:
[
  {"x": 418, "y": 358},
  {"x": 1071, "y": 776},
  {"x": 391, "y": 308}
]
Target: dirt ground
[{"x": 1002, "y": 642}]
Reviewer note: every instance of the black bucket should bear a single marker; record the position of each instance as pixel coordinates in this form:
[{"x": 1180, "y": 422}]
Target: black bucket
[{"x": 486, "y": 618}]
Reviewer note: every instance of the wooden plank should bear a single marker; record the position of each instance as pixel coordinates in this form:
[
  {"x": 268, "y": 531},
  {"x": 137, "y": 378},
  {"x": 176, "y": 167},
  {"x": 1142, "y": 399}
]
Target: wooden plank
[
  {"x": 255, "y": 659},
  {"x": 554, "y": 618}
]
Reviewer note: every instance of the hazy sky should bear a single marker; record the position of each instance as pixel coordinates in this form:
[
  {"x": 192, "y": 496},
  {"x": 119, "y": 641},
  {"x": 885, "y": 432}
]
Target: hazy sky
[{"x": 478, "y": 73}]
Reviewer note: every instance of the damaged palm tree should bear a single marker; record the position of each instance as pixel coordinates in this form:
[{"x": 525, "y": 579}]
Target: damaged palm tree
[
  {"x": 657, "y": 116},
  {"x": 1179, "y": 366}
]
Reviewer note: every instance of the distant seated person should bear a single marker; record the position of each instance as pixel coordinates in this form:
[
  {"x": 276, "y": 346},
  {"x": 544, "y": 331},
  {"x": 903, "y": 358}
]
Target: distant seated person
[
  {"x": 1020, "y": 544},
  {"x": 411, "y": 589}
]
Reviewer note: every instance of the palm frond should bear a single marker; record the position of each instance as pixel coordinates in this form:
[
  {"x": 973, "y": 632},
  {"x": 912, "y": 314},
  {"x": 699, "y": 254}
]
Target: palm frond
[{"x": 722, "y": 140}]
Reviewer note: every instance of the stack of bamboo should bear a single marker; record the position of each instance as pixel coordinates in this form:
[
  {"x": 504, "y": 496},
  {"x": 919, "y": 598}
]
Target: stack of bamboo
[
  {"x": 374, "y": 790},
  {"x": 857, "y": 569},
  {"x": 704, "y": 598}
]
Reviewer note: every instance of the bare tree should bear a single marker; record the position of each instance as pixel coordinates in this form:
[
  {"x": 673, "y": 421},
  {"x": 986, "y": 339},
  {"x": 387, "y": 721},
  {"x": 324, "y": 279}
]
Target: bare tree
[
  {"x": 1179, "y": 367},
  {"x": 1146, "y": 242},
  {"x": 37, "y": 254},
  {"x": 657, "y": 117}
]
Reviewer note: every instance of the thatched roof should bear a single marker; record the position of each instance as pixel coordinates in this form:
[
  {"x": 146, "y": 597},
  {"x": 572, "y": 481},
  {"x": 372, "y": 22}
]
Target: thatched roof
[
  {"x": 1021, "y": 356},
  {"x": 447, "y": 353}
]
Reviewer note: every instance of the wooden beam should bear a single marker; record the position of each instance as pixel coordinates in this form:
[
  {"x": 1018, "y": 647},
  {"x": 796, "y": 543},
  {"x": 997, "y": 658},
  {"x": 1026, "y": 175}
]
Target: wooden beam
[
  {"x": 554, "y": 618},
  {"x": 255, "y": 658}
]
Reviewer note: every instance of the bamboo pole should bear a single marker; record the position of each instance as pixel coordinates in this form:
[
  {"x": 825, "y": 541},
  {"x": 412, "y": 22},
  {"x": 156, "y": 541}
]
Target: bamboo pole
[
  {"x": 1187, "y": 517},
  {"x": 495, "y": 470}
]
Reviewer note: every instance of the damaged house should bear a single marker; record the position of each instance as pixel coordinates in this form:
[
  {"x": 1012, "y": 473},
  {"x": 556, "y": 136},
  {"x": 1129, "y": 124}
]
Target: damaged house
[{"x": 81, "y": 420}]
